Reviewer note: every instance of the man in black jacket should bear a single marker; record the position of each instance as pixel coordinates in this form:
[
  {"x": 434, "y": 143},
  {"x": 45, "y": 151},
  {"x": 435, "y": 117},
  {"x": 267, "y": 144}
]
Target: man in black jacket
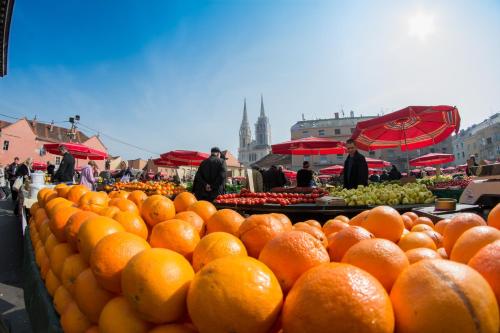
[
  {"x": 355, "y": 167},
  {"x": 209, "y": 180},
  {"x": 66, "y": 168}
]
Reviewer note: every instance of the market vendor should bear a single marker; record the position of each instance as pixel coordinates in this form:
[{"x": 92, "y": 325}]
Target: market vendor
[
  {"x": 305, "y": 176},
  {"x": 66, "y": 168},
  {"x": 355, "y": 167},
  {"x": 209, "y": 181}
]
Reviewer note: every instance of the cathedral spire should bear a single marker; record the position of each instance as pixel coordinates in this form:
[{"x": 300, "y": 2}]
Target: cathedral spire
[
  {"x": 262, "y": 113},
  {"x": 245, "y": 116}
]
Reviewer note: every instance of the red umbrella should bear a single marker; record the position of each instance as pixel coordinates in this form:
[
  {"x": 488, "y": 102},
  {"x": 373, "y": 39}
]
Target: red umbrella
[
  {"x": 429, "y": 169},
  {"x": 164, "y": 163},
  {"x": 375, "y": 163},
  {"x": 410, "y": 128},
  {"x": 332, "y": 170},
  {"x": 309, "y": 146},
  {"x": 462, "y": 167},
  {"x": 39, "y": 166},
  {"x": 185, "y": 157},
  {"x": 372, "y": 171},
  {"x": 416, "y": 171},
  {"x": 290, "y": 174},
  {"x": 77, "y": 150},
  {"x": 432, "y": 159}
]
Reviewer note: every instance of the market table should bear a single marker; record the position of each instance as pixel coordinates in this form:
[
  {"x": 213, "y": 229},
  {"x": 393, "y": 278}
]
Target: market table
[
  {"x": 302, "y": 212},
  {"x": 435, "y": 215}
]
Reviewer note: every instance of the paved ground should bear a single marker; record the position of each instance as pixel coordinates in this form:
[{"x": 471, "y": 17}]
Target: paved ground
[{"x": 12, "y": 311}]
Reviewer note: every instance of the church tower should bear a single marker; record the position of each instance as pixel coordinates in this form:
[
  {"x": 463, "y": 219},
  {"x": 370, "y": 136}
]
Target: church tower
[
  {"x": 262, "y": 127},
  {"x": 245, "y": 134}
]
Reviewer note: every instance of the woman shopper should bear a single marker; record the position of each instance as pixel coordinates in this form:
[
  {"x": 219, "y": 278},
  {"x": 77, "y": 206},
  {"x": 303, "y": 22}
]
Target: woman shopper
[
  {"x": 23, "y": 172},
  {"x": 87, "y": 175}
]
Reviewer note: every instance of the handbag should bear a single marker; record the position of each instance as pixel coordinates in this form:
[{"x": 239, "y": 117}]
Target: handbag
[{"x": 17, "y": 184}]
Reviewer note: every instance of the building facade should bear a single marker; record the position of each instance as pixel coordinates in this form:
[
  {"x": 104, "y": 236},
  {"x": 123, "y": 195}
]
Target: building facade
[
  {"x": 481, "y": 140},
  {"x": 341, "y": 129},
  {"x": 25, "y": 138},
  {"x": 251, "y": 150}
]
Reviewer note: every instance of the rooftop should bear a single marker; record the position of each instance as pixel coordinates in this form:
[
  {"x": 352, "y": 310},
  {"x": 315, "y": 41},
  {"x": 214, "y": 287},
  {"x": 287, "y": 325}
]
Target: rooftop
[{"x": 50, "y": 132}]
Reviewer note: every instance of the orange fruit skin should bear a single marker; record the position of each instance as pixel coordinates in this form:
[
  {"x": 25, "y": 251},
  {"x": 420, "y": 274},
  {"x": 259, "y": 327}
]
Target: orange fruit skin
[
  {"x": 494, "y": 217},
  {"x": 73, "y": 226},
  {"x": 58, "y": 256},
  {"x": 92, "y": 231},
  {"x": 314, "y": 223},
  {"x": 93, "y": 329},
  {"x": 457, "y": 226},
  {"x": 313, "y": 231},
  {"x": 297, "y": 247},
  {"x": 62, "y": 298},
  {"x": 56, "y": 204},
  {"x": 138, "y": 197},
  {"x": 287, "y": 224},
  {"x": 421, "y": 227},
  {"x": 216, "y": 245},
  {"x": 76, "y": 192},
  {"x": 471, "y": 241},
  {"x": 332, "y": 226},
  {"x": 124, "y": 205},
  {"x": 341, "y": 241},
  {"x": 192, "y": 218},
  {"x": 225, "y": 220},
  {"x": 51, "y": 282},
  {"x": 384, "y": 222},
  {"x": 44, "y": 231},
  {"x": 111, "y": 254},
  {"x": 443, "y": 296},
  {"x": 157, "y": 208},
  {"x": 109, "y": 211},
  {"x": 336, "y": 297},
  {"x": 408, "y": 222},
  {"x": 421, "y": 253},
  {"x": 413, "y": 216},
  {"x": 441, "y": 225},
  {"x": 50, "y": 243},
  {"x": 257, "y": 230},
  {"x": 415, "y": 240},
  {"x": 380, "y": 257},
  {"x": 424, "y": 220},
  {"x": 40, "y": 216},
  {"x": 156, "y": 283},
  {"x": 435, "y": 236},
  {"x": 93, "y": 201},
  {"x": 72, "y": 267},
  {"x": 173, "y": 328},
  {"x": 132, "y": 223},
  {"x": 442, "y": 253},
  {"x": 119, "y": 194},
  {"x": 183, "y": 200},
  {"x": 204, "y": 209},
  {"x": 358, "y": 219},
  {"x": 59, "y": 220},
  {"x": 73, "y": 320},
  {"x": 342, "y": 218},
  {"x": 119, "y": 316},
  {"x": 90, "y": 296},
  {"x": 247, "y": 297},
  {"x": 487, "y": 262},
  {"x": 176, "y": 235}
]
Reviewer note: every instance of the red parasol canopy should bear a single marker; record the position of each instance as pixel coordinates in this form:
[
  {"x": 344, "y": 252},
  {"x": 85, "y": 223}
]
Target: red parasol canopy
[
  {"x": 290, "y": 174},
  {"x": 449, "y": 169},
  {"x": 309, "y": 146},
  {"x": 185, "y": 157},
  {"x": 410, "y": 128},
  {"x": 77, "y": 150},
  {"x": 375, "y": 163},
  {"x": 462, "y": 167},
  {"x": 372, "y": 171},
  {"x": 325, "y": 177},
  {"x": 429, "y": 169},
  {"x": 432, "y": 159},
  {"x": 39, "y": 166},
  {"x": 416, "y": 171},
  {"x": 332, "y": 170},
  {"x": 164, "y": 163}
]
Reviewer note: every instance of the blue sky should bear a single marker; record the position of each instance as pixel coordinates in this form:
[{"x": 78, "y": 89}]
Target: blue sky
[{"x": 173, "y": 74}]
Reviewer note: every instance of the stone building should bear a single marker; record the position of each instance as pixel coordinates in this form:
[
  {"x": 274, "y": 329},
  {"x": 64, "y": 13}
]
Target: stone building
[{"x": 251, "y": 150}]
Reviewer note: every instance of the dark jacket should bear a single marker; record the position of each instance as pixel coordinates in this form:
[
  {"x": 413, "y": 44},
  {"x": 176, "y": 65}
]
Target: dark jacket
[
  {"x": 66, "y": 169},
  {"x": 211, "y": 172},
  {"x": 22, "y": 170},
  {"x": 50, "y": 169},
  {"x": 394, "y": 174},
  {"x": 358, "y": 175},
  {"x": 274, "y": 178},
  {"x": 304, "y": 178},
  {"x": 122, "y": 173},
  {"x": 11, "y": 171}
]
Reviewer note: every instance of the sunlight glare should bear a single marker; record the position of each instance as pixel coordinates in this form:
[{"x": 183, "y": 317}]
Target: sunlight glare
[{"x": 421, "y": 26}]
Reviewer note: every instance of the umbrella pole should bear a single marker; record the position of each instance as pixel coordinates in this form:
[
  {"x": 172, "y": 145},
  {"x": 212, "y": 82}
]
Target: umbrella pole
[{"x": 407, "y": 155}]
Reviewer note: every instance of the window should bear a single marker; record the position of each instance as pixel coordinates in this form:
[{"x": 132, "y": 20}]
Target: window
[
  {"x": 58, "y": 160},
  {"x": 443, "y": 149},
  {"x": 463, "y": 154},
  {"x": 337, "y": 131},
  {"x": 433, "y": 150},
  {"x": 5, "y": 145},
  {"x": 321, "y": 132},
  {"x": 305, "y": 132},
  {"x": 371, "y": 153},
  {"x": 323, "y": 159},
  {"x": 489, "y": 141},
  {"x": 352, "y": 130},
  {"x": 307, "y": 158}
]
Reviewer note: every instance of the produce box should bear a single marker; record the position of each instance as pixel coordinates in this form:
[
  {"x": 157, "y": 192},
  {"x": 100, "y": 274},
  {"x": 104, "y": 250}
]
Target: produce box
[{"x": 445, "y": 193}]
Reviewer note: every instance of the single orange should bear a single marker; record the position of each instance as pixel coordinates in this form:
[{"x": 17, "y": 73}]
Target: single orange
[
  {"x": 441, "y": 225},
  {"x": 93, "y": 201},
  {"x": 73, "y": 226},
  {"x": 192, "y": 218},
  {"x": 92, "y": 231},
  {"x": 421, "y": 253},
  {"x": 204, "y": 209},
  {"x": 494, "y": 217},
  {"x": 216, "y": 245},
  {"x": 157, "y": 208},
  {"x": 384, "y": 222},
  {"x": 341, "y": 241},
  {"x": 471, "y": 241},
  {"x": 487, "y": 262},
  {"x": 257, "y": 230},
  {"x": 176, "y": 235},
  {"x": 119, "y": 316},
  {"x": 73, "y": 320},
  {"x": 415, "y": 240},
  {"x": 90, "y": 296},
  {"x": 333, "y": 226},
  {"x": 225, "y": 220},
  {"x": 132, "y": 223},
  {"x": 457, "y": 226},
  {"x": 183, "y": 201}
]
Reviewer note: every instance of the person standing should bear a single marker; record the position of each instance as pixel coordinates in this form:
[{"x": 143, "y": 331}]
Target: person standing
[
  {"x": 87, "y": 175},
  {"x": 23, "y": 172},
  {"x": 355, "y": 167},
  {"x": 11, "y": 176},
  {"x": 66, "y": 169},
  {"x": 51, "y": 168},
  {"x": 305, "y": 176},
  {"x": 394, "y": 174},
  {"x": 209, "y": 180},
  {"x": 471, "y": 168},
  {"x": 3, "y": 184},
  {"x": 125, "y": 173}
]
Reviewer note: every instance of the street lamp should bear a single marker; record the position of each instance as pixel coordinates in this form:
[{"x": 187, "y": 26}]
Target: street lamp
[{"x": 72, "y": 132}]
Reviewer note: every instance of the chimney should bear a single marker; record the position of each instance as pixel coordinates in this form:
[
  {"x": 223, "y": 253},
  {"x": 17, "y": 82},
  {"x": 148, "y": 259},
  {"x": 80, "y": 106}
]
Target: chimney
[
  {"x": 34, "y": 122},
  {"x": 51, "y": 128},
  {"x": 336, "y": 115},
  {"x": 352, "y": 114}
]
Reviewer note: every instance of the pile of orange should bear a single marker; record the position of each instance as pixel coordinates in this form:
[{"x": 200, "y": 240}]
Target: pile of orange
[
  {"x": 126, "y": 262},
  {"x": 165, "y": 188}
]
